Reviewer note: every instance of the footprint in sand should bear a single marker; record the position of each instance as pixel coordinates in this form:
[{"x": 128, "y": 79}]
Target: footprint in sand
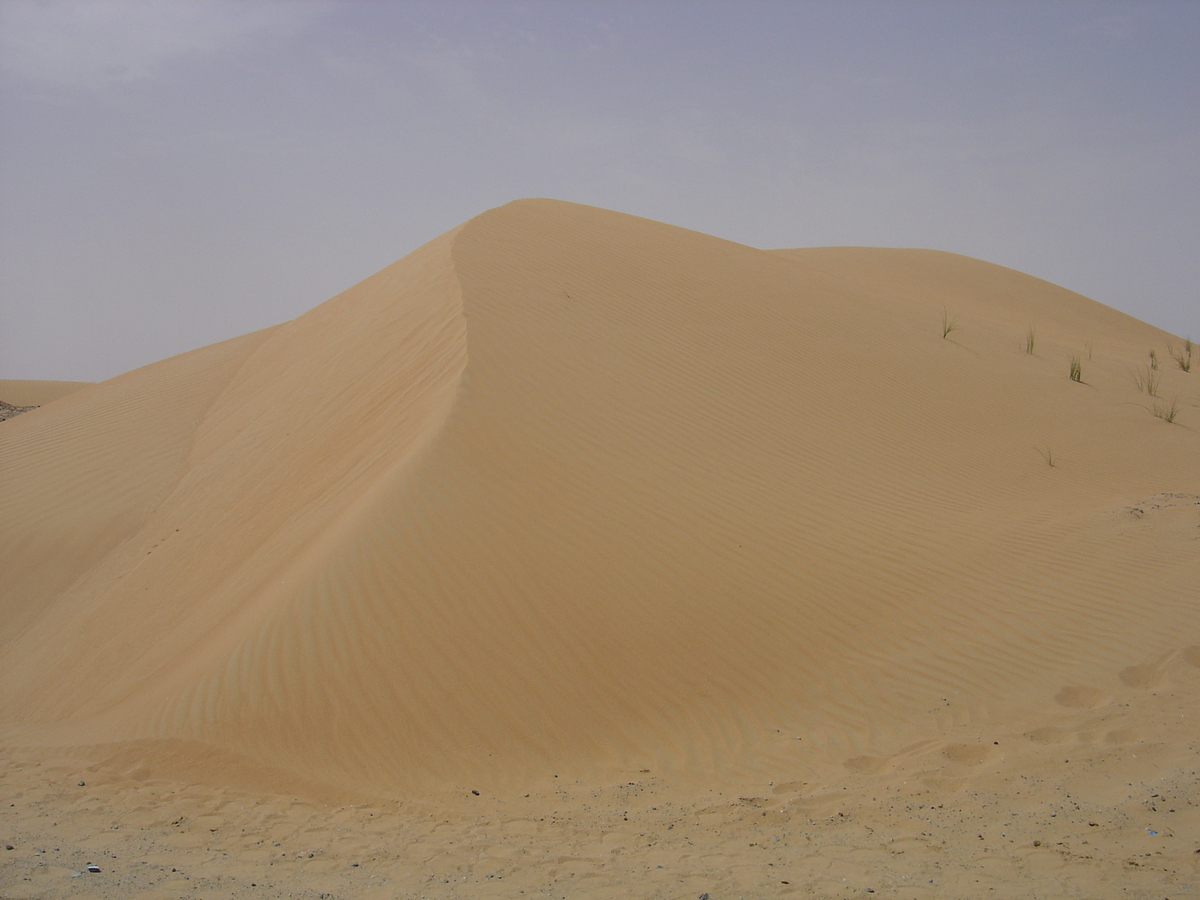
[
  {"x": 791, "y": 787},
  {"x": 1081, "y": 697},
  {"x": 868, "y": 765},
  {"x": 1121, "y": 736},
  {"x": 1146, "y": 677},
  {"x": 969, "y": 754},
  {"x": 1049, "y": 735}
]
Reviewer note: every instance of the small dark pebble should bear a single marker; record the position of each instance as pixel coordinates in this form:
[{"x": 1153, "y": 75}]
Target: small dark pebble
[
  {"x": 1037, "y": 843},
  {"x": 703, "y": 897},
  {"x": 476, "y": 793},
  {"x": 10, "y": 846},
  {"x": 354, "y": 865},
  {"x": 93, "y": 869}
]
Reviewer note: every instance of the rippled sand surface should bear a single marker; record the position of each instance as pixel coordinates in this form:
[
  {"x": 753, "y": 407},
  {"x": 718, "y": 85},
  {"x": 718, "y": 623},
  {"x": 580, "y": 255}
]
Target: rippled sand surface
[{"x": 712, "y": 569}]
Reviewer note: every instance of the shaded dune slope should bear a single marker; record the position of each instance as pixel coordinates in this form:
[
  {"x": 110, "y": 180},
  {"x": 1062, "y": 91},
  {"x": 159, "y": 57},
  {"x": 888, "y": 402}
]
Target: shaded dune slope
[{"x": 571, "y": 492}]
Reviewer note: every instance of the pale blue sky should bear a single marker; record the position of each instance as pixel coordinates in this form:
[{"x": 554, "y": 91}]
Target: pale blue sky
[{"x": 175, "y": 173}]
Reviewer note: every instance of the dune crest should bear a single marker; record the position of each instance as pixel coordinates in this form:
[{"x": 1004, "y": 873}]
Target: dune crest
[{"x": 569, "y": 492}]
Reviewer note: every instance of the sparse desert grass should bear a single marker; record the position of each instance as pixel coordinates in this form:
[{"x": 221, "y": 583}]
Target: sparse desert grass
[
  {"x": 949, "y": 324},
  {"x": 1184, "y": 356},
  {"x": 1030, "y": 340},
  {"x": 1147, "y": 380},
  {"x": 1153, "y": 359},
  {"x": 1088, "y": 348},
  {"x": 1047, "y": 455},
  {"x": 1076, "y": 371},
  {"x": 1166, "y": 411}
]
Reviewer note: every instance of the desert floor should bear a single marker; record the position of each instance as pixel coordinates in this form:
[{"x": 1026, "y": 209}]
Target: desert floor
[{"x": 1095, "y": 803}]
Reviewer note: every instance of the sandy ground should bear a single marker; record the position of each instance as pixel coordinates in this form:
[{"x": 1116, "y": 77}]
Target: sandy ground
[
  {"x": 713, "y": 570},
  {"x": 1101, "y": 803}
]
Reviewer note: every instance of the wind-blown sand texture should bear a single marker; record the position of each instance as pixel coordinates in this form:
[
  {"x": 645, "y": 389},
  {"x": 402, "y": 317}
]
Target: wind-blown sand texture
[{"x": 711, "y": 569}]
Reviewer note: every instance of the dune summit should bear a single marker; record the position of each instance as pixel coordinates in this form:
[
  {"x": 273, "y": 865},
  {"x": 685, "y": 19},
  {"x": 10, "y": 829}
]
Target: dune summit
[{"x": 567, "y": 492}]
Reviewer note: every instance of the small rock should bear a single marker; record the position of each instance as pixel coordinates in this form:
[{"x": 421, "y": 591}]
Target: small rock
[
  {"x": 8, "y": 846},
  {"x": 476, "y": 793},
  {"x": 703, "y": 896},
  {"x": 80, "y": 783},
  {"x": 354, "y": 865},
  {"x": 92, "y": 868},
  {"x": 1037, "y": 843}
]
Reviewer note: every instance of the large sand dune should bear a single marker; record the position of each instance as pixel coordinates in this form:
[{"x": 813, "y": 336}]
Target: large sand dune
[{"x": 571, "y": 493}]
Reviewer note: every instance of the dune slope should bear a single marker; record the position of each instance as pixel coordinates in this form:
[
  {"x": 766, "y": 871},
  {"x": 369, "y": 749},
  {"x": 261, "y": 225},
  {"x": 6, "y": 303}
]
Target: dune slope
[{"x": 571, "y": 492}]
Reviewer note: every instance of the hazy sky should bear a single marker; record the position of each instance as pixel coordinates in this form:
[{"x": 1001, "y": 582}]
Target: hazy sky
[{"x": 176, "y": 173}]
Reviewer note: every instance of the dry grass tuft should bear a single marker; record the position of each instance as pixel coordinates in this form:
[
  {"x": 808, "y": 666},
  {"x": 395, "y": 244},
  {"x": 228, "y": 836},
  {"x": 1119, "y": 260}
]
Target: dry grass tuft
[
  {"x": 1147, "y": 380},
  {"x": 949, "y": 324},
  {"x": 1184, "y": 356},
  {"x": 1166, "y": 411},
  {"x": 1076, "y": 371}
]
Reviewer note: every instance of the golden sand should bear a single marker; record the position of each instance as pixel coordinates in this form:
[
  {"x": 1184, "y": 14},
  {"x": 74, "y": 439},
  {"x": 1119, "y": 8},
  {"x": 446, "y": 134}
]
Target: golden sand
[{"x": 711, "y": 569}]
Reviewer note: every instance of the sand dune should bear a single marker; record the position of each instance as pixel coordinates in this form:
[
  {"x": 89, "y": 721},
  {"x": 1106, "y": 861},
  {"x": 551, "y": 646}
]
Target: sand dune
[{"x": 571, "y": 493}]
